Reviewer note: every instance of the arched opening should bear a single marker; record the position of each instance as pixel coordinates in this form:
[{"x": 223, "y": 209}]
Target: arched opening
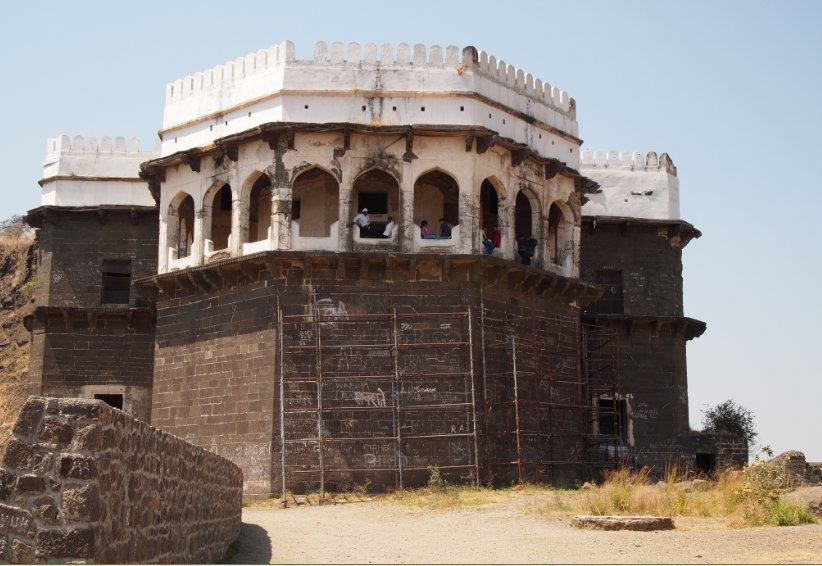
[
  {"x": 557, "y": 235},
  {"x": 523, "y": 216},
  {"x": 220, "y": 226},
  {"x": 259, "y": 209},
  {"x": 436, "y": 196},
  {"x": 378, "y": 192},
  {"x": 489, "y": 206},
  {"x": 180, "y": 224},
  {"x": 315, "y": 198}
]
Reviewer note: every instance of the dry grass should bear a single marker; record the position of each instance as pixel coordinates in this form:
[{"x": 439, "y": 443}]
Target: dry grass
[
  {"x": 727, "y": 496},
  {"x": 14, "y": 359},
  {"x": 14, "y": 367}
]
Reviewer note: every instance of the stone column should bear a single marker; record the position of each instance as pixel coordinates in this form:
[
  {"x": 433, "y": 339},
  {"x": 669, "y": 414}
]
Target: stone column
[
  {"x": 346, "y": 242},
  {"x": 408, "y": 230},
  {"x": 281, "y": 217},
  {"x": 198, "y": 245},
  {"x": 235, "y": 245}
]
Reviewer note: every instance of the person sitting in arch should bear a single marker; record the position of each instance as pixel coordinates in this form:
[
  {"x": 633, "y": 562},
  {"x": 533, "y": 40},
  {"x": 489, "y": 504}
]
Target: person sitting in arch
[
  {"x": 426, "y": 233},
  {"x": 389, "y": 227},
  {"x": 364, "y": 222},
  {"x": 445, "y": 229}
]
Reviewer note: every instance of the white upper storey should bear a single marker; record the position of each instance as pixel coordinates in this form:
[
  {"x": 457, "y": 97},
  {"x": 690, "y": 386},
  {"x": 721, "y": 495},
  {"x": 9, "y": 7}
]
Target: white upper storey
[
  {"x": 632, "y": 185},
  {"x": 370, "y": 86},
  {"x": 90, "y": 172}
]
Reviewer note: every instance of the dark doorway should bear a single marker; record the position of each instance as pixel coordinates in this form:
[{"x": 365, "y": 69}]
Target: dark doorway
[{"x": 112, "y": 399}]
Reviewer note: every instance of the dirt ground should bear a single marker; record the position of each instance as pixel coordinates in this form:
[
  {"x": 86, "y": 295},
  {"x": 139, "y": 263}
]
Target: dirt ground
[{"x": 370, "y": 532}]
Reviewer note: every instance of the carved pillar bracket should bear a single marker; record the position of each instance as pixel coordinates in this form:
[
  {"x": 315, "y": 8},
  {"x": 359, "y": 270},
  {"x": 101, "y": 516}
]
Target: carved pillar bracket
[
  {"x": 230, "y": 150},
  {"x": 192, "y": 159},
  {"x": 520, "y": 155},
  {"x": 485, "y": 142},
  {"x": 409, "y": 156},
  {"x": 469, "y": 141}
]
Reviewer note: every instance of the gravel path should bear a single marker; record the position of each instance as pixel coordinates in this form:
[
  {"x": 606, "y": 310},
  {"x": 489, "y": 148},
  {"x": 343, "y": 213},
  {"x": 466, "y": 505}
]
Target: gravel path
[{"x": 369, "y": 532}]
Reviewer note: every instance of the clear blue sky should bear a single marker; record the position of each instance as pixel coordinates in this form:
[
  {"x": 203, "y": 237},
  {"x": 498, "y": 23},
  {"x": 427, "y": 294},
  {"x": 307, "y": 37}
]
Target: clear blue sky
[{"x": 731, "y": 90}]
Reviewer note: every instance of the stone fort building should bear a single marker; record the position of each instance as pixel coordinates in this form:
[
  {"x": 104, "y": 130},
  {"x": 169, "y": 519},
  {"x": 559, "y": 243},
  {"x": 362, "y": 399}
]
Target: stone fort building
[{"x": 217, "y": 288}]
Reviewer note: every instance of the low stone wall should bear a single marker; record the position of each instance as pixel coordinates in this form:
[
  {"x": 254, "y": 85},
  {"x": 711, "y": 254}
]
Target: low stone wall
[{"x": 81, "y": 481}]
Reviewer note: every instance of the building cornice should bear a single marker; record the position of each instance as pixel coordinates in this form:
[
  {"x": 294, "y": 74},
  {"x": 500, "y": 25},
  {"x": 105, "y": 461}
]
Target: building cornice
[{"x": 298, "y": 268}]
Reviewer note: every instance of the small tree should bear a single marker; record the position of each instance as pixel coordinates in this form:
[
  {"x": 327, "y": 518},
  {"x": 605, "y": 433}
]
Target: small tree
[
  {"x": 14, "y": 227},
  {"x": 730, "y": 417}
]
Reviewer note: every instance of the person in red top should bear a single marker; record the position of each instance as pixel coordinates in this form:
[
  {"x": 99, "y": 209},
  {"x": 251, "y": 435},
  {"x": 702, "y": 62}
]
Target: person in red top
[{"x": 496, "y": 238}]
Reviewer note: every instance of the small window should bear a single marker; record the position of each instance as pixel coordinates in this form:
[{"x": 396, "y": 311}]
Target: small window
[
  {"x": 611, "y": 301},
  {"x": 116, "y": 282},
  {"x": 295, "y": 209},
  {"x": 111, "y": 399},
  {"x": 376, "y": 203}
]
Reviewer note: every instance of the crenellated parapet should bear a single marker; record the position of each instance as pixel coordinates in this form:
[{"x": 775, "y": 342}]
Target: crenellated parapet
[
  {"x": 95, "y": 171},
  {"x": 634, "y": 161},
  {"x": 632, "y": 184},
  {"x": 370, "y": 84}
]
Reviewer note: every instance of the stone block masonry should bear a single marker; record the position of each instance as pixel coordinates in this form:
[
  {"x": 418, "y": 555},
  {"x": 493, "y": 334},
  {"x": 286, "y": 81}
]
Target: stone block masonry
[{"x": 84, "y": 482}]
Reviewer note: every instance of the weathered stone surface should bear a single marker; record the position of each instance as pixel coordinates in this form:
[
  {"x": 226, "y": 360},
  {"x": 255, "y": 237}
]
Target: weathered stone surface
[
  {"x": 30, "y": 484},
  {"x": 18, "y": 455},
  {"x": 21, "y": 553},
  {"x": 68, "y": 543},
  {"x": 82, "y": 503},
  {"x": 29, "y": 418},
  {"x": 77, "y": 466},
  {"x": 611, "y": 523},
  {"x": 45, "y": 511},
  {"x": 90, "y": 438},
  {"x": 55, "y": 433},
  {"x": 16, "y": 521},
  {"x": 43, "y": 463},
  {"x": 4, "y": 548},
  {"x": 80, "y": 408},
  {"x": 7, "y": 482}
]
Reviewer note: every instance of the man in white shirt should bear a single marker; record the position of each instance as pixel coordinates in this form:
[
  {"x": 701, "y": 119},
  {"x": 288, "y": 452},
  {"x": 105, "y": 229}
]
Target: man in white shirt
[
  {"x": 365, "y": 223},
  {"x": 388, "y": 228}
]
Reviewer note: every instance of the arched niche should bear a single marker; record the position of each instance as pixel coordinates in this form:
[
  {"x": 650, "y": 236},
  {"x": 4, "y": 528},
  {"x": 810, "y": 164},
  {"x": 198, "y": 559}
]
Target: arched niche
[
  {"x": 560, "y": 232},
  {"x": 218, "y": 204},
  {"x": 259, "y": 207},
  {"x": 315, "y": 197},
  {"x": 526, "y": 214},
  {"x": 180, "y": 224},
  {"x": 379, "y": 192},
  {"x": 436, "y": 195},
  {"x": 490, "y": 190}
]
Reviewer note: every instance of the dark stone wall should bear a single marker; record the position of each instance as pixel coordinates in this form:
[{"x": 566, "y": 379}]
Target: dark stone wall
[
  {"x": 218, "y": 366},
  {"x": 652, "y": 333},
  {"x": 73, "y": 245},
  {"x": 653, "y": 377},
  {"x": 650, "y": 262},
  {"x": 82, "y": 482},
  {"x": 110, "y": 352},
  {"x": 76, "y": 339}
]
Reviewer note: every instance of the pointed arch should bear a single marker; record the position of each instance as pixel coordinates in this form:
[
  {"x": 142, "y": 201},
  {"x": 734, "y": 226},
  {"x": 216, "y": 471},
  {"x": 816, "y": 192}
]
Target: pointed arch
[
  {"x": 491, "y": 191},
  {"x": 256, "y": 200},
  {"x": 180, "y": 224},
  {"x": 436, "y": 195},
  {"x": 315, "y": 197},
  {"x": 560, "y": 233},
  {"x": 379, "y": 191},
  {"x": 217, "y": 208}
]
